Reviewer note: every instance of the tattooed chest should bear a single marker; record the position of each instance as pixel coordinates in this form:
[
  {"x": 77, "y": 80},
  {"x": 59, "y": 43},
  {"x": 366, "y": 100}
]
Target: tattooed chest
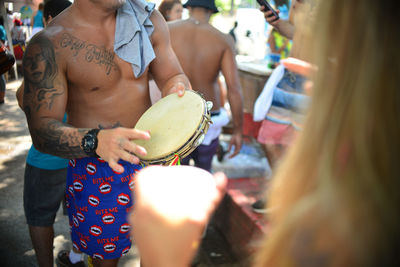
[{"x": 90, "y": 53}]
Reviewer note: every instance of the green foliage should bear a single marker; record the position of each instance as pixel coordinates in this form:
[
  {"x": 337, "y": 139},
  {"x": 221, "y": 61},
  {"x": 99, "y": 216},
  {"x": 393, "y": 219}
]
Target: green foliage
[{"x": 225, "y": 5}]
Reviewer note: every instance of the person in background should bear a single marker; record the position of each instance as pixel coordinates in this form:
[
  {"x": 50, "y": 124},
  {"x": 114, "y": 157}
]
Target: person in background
[
  {"x": 232, "y": 31},
  {"x": 285, "y": 116},
  {"x": 334, "y": 199},
  {"x": 279, "y": 44},
  {"x": 44, "y": 183},
  {"x": 18, "y": 33},
  {"x": 10, "y": 18},
  {"x": 171, "y": 9},
  {"x": 3, "y": 38},
  {"x": 3, "y": 33},
  {"x": 37, "y": 20},
  {"x": 204, "y": 52}
]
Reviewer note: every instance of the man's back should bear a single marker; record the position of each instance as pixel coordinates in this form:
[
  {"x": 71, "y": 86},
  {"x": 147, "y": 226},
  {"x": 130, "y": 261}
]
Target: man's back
[{"x": 203, "y": 52}]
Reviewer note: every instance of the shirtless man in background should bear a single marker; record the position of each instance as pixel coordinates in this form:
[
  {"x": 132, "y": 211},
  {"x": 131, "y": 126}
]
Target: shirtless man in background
[
  {"x": 71, "y": 67},
  {"x": 204, "y": 52}
]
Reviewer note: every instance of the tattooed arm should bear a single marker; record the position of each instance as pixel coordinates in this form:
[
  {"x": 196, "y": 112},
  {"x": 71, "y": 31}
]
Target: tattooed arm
[
  {"x": 45, "y": 99},
  {"x": 44, "y": 103},
  {"x": 165, "y": 68}
]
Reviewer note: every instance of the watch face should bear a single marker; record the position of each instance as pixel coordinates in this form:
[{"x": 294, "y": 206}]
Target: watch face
[{"x": 89, "y": 143}]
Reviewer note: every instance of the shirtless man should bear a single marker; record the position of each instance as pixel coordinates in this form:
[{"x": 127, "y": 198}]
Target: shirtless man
[
  {"x": 204, "y": 52},
  {"x": 71, "y": 67}
]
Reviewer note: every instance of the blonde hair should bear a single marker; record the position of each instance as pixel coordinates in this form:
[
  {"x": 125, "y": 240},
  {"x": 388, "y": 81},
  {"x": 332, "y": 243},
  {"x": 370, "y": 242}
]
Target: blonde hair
[{"x": 337, "y": 191}]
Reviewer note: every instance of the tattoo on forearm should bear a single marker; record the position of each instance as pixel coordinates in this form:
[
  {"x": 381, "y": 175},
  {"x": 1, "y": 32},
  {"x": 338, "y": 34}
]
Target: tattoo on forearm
[
  {"x": 54, "y": 138},
  {"x": 98, "y": 55}
]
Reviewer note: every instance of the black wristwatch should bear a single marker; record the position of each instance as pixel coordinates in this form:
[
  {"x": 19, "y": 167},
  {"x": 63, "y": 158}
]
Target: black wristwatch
[{"x": 89, "y": 142}]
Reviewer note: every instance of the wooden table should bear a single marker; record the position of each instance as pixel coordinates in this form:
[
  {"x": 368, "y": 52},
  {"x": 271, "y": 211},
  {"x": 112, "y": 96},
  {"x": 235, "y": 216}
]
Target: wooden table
[{"x": 253, "y": 75}]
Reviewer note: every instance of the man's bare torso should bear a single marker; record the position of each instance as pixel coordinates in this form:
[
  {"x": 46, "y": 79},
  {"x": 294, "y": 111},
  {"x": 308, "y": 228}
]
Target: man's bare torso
[
  {"x": 102, "y": 90},
  {"x": 200, "y": 49}
]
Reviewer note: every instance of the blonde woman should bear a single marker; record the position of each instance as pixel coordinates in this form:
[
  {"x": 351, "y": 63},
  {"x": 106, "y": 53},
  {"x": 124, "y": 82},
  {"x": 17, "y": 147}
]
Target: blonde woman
[{"x": 335, "y": 197}]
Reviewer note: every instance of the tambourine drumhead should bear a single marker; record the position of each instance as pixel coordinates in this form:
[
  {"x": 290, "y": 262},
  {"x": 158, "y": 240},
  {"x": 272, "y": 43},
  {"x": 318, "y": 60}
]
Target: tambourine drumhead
[{"x": 171, "y": 122}]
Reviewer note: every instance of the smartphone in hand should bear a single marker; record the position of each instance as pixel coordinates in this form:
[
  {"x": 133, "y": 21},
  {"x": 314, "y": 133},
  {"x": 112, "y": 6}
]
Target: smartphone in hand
[{"x": 267, "y": 6}]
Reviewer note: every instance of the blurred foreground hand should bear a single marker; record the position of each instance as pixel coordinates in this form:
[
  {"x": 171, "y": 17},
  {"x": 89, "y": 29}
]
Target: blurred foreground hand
[{"x": 172, "y": 206}]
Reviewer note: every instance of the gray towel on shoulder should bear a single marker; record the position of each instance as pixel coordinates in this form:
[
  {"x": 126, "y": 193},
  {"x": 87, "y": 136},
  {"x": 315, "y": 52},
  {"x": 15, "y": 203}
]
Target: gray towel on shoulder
[{"x": 132, "y": 34}]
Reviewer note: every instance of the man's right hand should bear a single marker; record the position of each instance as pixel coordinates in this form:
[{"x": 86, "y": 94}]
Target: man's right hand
[{"x": 116, "y": 144}]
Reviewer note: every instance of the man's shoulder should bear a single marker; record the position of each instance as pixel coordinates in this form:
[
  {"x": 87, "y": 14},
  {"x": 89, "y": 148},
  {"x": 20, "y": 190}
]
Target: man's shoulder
[
  {"x": 178, "y": 25},
  {"x": 50, "y": 33},
  {"x": 224, "y": 38}
]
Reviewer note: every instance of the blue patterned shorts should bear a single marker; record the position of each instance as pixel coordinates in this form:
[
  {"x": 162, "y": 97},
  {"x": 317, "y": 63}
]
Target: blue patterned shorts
[{"x": 98, "y": 201}]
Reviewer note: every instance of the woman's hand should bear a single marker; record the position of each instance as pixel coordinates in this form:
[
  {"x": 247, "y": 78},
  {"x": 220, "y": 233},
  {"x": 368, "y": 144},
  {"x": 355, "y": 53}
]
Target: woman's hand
[{"x": 172, "y": 207}]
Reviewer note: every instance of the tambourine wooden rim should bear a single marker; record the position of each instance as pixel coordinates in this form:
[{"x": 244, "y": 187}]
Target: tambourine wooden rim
[{"x": 192, "y": 138}]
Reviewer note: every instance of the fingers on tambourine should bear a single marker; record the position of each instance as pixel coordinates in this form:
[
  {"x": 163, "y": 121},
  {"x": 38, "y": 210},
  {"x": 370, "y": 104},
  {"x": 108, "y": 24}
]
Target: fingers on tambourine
[
  {"x": 133, "y": 148},
  {"x": 137, "y": 134},
  {"x": 129, "y": 157}
]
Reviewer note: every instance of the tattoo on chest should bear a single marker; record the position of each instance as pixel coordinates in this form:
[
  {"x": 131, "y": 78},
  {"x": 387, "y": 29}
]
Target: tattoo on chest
[{"x": 92, "y": 53}]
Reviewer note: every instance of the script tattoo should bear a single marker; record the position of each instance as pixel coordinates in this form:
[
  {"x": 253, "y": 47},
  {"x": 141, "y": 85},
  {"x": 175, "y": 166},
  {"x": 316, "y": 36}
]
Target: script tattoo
[
  {"x": 73, "y": 43},
  {"x": 98, "y": 55},
  {"x": 40, "y": 70}
]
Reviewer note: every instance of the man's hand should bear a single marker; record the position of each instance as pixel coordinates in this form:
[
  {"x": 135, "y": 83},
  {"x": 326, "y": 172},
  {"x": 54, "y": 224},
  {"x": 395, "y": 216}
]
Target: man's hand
[
  {"x": 236, "y": 140},
  {"x": 178, "y": 88},
  {"x": 116, "y": 144}
]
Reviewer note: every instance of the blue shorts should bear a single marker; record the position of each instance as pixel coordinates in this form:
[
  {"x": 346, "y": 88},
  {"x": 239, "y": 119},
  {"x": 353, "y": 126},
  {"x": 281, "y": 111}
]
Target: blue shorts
[
  {"x": 203, "y": 155},
  {"x": 43, "y": 192},
  {"x": 98, "y": 201}
]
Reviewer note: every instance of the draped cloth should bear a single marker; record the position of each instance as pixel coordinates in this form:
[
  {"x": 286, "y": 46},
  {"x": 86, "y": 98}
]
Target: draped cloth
[{"x": 132, "y": 35}]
